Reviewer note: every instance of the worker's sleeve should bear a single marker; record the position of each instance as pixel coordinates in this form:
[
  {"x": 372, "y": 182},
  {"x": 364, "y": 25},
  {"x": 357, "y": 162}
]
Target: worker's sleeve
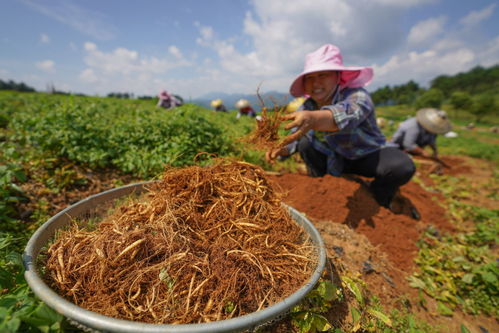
[
  {"x": 352, "y": 110},
  {"x": 410, "y": 138}
]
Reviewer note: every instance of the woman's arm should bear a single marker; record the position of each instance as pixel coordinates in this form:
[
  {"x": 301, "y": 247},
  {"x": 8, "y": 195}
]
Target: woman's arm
[
  {"x": 356, "y": 107},
  {"x": 303, "y": 121}
]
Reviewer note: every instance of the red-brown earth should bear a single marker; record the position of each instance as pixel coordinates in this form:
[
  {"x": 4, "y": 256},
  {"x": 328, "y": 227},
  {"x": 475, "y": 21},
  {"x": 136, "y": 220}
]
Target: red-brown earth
[
  {"x": 378, "y": 244},
  {"x": 360, "y": 236}
]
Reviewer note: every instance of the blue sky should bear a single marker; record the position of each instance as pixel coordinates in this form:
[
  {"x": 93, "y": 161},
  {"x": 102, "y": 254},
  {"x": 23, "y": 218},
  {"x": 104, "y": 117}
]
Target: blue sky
[{"x": 194, "y": 47}]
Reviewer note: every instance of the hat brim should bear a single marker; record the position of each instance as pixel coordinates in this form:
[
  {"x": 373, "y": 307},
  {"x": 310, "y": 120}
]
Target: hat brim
[
  {"x": 353, "y": 77},
  {"x": 422, "y": 116}
]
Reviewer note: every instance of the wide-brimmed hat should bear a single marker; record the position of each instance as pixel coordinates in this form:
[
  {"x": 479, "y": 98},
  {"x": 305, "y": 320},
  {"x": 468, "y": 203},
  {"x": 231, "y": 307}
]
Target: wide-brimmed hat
[
  {"x": 242, "y": 103},
  {"x": 164, "y": 94},
  {"x": 434, "y": 121},
  {"x": 328, "y": 58},
  {"x": 216, "y": 103}
]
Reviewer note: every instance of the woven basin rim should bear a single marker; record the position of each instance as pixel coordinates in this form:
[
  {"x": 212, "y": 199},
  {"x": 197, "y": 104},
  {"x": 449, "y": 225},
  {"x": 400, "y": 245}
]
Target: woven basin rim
[{"x": 109, "y": 324}]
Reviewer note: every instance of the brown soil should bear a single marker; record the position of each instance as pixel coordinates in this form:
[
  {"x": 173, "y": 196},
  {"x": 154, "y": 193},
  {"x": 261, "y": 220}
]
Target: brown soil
[
  {"x": 377, "y": 243},
  {"x": 360, "y": 236}
]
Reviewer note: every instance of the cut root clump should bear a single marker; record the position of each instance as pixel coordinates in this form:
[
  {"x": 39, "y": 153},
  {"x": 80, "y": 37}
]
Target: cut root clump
[
  {"x": 266, "y": 133},
  {"x": 202, "y": 245}
]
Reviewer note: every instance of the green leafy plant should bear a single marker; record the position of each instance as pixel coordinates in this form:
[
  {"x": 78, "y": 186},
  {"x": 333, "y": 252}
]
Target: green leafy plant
[
  {"x": 11, "y": 173},
  {"x": 20, "y": 311},
  {"x": 366, "y": 315},
  {"x": 308, "y": 316},
  {"x": 459, "y": 270}
]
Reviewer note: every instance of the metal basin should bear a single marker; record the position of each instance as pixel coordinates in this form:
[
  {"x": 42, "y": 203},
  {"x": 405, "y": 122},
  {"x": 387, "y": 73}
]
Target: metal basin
[{"x": 88, "y": 319}]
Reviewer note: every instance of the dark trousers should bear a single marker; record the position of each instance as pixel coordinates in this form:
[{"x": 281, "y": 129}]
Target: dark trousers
[{"x": 389, "y": 166}]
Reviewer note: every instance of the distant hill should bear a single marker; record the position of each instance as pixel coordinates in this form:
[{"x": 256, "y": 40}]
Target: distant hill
[
  {"x": 475, "y": 81},
  {"x": 270, "y": 99}
]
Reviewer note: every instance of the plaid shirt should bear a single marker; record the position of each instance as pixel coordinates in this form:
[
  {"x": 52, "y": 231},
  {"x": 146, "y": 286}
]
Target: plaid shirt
[{"x": 358, "y": 134}]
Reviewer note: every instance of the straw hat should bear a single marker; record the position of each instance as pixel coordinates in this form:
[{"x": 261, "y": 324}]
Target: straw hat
[
  {"x": 242, "y": 103},
  {"x": 434, "y": 121},
  {"x": 381, "y": 122},
  {"x": 216, "y": 103},
  {"x": 328, "y": 58}
]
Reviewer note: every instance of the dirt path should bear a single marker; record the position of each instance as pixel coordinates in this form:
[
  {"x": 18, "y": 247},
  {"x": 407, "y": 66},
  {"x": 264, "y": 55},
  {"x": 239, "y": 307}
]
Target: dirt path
[{"x": 363, "y": 237}]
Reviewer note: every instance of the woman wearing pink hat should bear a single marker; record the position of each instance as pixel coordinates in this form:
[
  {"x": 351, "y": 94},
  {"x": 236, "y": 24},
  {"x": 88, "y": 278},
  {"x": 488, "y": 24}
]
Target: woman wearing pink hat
[
  {"x": 335, "y": 129},
  {"x": 167, "y": 100}
]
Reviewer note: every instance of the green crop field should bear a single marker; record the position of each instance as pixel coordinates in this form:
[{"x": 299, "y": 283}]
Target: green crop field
[{"x": 51, "y": 144}]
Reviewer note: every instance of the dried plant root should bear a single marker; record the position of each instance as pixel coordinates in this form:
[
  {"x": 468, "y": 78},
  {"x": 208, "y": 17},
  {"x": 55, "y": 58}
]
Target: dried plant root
[{"x": 203, "y": 244}]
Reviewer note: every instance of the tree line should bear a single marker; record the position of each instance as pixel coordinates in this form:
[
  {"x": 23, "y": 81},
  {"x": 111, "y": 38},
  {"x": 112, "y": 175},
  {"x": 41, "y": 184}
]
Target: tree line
[
  {"x": 11, "y": 85},
  {"x": 475, "y": 91}
]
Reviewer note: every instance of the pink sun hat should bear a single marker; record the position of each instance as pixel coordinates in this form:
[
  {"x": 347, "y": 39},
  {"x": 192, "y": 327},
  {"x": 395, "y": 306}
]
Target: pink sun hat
[
  {"x": 163, "y": 94},
  {"x": 328, "y": 58}
]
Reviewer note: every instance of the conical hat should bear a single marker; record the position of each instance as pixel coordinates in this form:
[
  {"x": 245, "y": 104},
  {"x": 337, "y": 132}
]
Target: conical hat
[
  {"x": 434, "y": 121},
  {"x": 216, "y": 103},
  {"x": 242, "y": 103}
]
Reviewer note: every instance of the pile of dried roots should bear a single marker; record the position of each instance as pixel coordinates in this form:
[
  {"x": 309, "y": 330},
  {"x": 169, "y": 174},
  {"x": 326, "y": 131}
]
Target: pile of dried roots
[{"x": 204, "y": 244}]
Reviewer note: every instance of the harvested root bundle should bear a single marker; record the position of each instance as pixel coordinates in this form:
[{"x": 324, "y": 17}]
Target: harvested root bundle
[
  {"x": 266, "y": 133},
  {"x": 204, "y": 244}
]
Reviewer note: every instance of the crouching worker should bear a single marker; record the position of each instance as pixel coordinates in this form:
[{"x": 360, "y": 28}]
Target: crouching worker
[
  {"x": 167, "y": 100},
  {"x": 218, "y": 105},
  {"x": 335, "y": 129},
  {"x": 244, "y": 109},
  {"x": 414, "y": 134}
]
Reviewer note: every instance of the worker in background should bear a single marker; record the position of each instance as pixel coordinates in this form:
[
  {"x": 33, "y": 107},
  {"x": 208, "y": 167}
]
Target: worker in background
[
  {"x": 218, "y": 105},
  {"x": 167, "y": 100},
  {"x": 414, "y": 134},
  {"x": 244, "y": 109}
]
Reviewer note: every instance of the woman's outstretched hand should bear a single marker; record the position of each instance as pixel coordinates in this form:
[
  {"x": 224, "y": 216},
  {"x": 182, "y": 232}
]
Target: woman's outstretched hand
[
  {"x": 303, "y": 121},
  {"x": 272, "y": 154}
]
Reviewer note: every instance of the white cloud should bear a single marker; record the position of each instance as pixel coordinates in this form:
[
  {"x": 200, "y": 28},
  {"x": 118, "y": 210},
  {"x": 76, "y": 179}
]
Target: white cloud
[
  {"x": 69, "y": 13},
  {"x": 127, "y": 70},
  {"x": 405, "y": 3},
  {"x": 423, "y": 66},
  {"x": 426, "y": 31},
  {"x": 44, "y": 38},
  {"x": 47, "y": 66},
  {"x": 489, "y": 56},
  {"x": 283, "y": 31},
  {"x": 175, "y": 52},
  {"x": 126, "y": 62},
  {"x": 475, "y": 17},
  {"x": 88, "y": 75},
  {"x": 270, "y": 49},
  {"x": 89, "y": 46}
]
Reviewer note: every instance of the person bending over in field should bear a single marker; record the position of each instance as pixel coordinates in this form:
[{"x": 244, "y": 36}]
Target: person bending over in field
[
  {"x": 244, "y": 109},
  {"x": 167, "y": 100},
  {"x": 414, "y": 134},
  {"x": 335, "y": 128}
]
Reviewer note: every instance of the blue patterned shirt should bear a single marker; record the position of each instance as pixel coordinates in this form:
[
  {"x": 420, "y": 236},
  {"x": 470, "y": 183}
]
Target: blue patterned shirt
[{"x": 358, "y": 134}]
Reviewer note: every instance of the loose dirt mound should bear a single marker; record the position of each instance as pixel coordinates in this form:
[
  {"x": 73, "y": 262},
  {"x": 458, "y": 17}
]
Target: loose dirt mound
[
  {"x": 347, "y": 201},
  {"x": 363, "y": 238}
]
